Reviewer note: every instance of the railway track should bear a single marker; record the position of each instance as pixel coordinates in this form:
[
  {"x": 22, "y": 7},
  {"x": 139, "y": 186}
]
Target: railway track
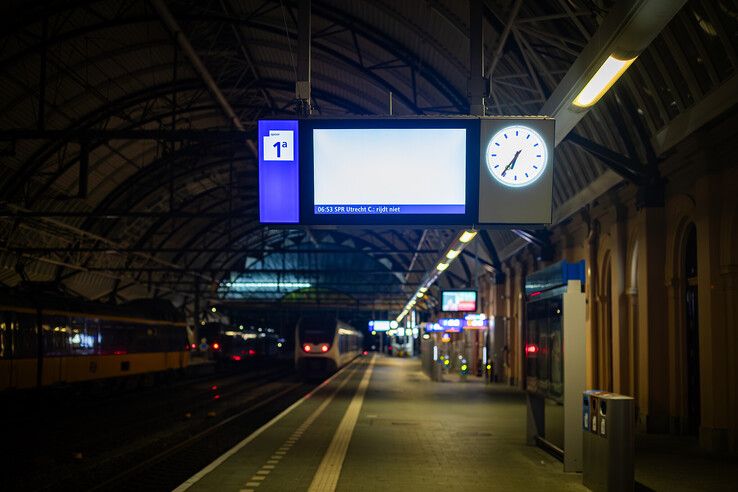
[
  {"x": 170, "y": 467},
  {"x": 153, "y": 441}
]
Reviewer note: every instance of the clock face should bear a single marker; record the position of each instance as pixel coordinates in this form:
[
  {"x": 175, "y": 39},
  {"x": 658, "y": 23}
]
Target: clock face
[{"x": 516, "y": 156}]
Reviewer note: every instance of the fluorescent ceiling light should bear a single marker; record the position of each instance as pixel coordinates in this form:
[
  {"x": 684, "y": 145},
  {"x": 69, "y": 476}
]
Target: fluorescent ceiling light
[
  {"x": 419, "y": 295},
  {"x": 423, "y": 289},
  {"x": 441, "y": 266},
  {"x": 270, "y": 285},
  {"x": 453, "y": 254},
  {"x": 467, "y": 236},
  {"x": 602, "y": 80}
]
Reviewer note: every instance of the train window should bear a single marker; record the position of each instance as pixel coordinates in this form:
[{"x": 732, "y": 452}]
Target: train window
[
  {"x": 115, "y": 338},
  {"x": 145, "y": 338},
  {"x": 177, "y": 338},
  {"x": 56, "y": 335},
  {"x": 7, "y": 327},
  {"x": 83, "y": 337},
  {"x": 317, "y": 329},
  {"x": 24, "y": 336}
]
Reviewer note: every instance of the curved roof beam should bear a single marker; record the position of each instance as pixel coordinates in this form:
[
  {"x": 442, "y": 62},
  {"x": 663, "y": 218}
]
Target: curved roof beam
[{"x": 143, "y": 97}]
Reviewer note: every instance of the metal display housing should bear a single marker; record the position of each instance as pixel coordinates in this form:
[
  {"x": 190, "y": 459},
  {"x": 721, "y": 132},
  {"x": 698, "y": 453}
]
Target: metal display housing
[
  {"x": 528, "y": 206},
  {"x": 309, "y": 217}
]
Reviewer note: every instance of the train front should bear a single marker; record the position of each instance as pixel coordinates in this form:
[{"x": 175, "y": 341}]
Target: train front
[{"x": 316, "y": 353}]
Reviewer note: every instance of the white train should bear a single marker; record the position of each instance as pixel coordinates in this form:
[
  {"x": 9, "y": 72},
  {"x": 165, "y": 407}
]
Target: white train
[{"x": 324, "y": 344}]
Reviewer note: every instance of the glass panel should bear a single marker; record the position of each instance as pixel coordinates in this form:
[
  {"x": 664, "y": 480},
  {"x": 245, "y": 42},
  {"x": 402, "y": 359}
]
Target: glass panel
[{"x": 317, "y": 329}]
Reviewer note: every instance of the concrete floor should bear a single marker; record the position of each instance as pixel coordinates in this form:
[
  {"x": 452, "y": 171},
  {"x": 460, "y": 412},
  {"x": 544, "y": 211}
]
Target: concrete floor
[
  {"x": 414, "y": 434},
  {"x": 675, "y": 463},
  {"x": 410, "y": 434}
]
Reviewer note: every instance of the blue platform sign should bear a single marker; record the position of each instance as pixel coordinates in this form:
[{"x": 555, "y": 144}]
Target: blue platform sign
[
  {"x": 279, "y": 172},
  {"x": 554, "y": 276}
]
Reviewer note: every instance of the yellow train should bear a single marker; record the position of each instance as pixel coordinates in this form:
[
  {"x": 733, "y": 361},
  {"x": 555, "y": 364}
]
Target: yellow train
[{"x": 85, "y": 341}]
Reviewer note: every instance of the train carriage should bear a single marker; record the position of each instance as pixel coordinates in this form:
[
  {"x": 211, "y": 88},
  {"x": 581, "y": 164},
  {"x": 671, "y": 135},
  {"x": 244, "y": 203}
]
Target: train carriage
[
  {"x": 324, "y": 344},
  {"x": 85, "y": 341}
]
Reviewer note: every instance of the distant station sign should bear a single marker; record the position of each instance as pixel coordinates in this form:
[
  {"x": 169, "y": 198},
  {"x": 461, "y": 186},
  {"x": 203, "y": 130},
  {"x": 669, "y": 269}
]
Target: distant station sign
[
  {"x": 379, "y": 325},
  {"x": 455, "y": 325},
  {"x": 462, "y": 171}
]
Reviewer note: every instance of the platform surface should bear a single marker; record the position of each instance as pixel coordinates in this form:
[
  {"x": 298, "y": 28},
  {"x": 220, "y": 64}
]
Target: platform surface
[{"x": 396, "y": 431}]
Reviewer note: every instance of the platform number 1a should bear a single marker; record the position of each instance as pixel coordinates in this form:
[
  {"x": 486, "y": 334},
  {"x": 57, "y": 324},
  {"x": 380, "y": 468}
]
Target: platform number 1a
[{"x": 279, "y": 146}]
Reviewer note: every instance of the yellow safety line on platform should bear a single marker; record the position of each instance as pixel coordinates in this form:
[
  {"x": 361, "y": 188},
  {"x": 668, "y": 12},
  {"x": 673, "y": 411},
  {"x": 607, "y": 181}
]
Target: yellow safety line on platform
[
  {"x": 220, "y": 459},
  {"x": 279, "y": 454},
  {"x": 326, "y": 478}
]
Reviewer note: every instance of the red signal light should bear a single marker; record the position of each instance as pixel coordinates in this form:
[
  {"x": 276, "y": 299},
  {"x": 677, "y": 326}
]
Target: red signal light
[
  {"x": 324, "y": 348},
  {"x": 236, "y": 357},
  {"x": 366, "y": 352},
  {"x": 252, "y": 352},
  {"x": 306, "y": 348},
  {"x": 216, "y": 346},
  {"x": 531, "y": 349},
  {"x": 193, "y": 346}
]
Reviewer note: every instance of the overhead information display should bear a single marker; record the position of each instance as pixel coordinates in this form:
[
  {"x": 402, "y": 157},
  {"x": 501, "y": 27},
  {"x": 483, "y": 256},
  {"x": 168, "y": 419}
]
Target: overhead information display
[
  {"x": 367, "y": 171},
  {"x": 463, "y": 171},
  {"x": 455, "y": 301}
]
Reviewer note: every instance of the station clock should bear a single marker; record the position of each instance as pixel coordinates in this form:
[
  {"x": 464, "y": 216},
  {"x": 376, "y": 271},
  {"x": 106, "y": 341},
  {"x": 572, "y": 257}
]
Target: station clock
[{"x": 516, "y": 156}]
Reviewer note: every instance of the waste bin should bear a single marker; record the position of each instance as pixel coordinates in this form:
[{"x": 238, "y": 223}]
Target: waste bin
[{"x": 609, "y": 434}]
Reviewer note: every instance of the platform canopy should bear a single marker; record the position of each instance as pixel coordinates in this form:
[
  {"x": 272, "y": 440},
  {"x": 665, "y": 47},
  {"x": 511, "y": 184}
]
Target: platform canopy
[{"x": 127, "y": 128}]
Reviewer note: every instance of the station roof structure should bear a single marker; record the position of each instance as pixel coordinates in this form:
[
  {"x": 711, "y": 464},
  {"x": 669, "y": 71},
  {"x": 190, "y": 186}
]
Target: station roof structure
[{"x": 110, "y": 185}]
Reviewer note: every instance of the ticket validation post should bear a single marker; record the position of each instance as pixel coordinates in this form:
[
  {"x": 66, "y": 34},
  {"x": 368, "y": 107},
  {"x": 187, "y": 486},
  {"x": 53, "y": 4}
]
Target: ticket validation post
[{"x": 555, "y": 361}]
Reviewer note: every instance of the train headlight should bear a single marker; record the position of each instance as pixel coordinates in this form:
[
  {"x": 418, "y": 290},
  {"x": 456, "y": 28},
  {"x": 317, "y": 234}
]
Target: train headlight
[
  {"x": 324, "y": 348},
  {"x": 306, "y": 348}
]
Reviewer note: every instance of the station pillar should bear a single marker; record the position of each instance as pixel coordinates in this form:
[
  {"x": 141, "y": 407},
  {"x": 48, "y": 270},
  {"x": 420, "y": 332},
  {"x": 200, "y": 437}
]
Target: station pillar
[{"x": 653, "y": 335}]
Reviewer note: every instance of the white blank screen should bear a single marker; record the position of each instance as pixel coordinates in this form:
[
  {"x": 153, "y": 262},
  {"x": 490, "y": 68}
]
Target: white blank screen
[{"x": 390, "y": 166}]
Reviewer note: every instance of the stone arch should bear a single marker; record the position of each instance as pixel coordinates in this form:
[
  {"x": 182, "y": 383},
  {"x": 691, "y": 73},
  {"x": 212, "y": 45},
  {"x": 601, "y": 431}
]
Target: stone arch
[{"x": 683, "y": 223}]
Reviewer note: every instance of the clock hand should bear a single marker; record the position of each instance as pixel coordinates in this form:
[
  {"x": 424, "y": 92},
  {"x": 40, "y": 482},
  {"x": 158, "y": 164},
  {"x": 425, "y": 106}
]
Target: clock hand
[{"x": 512, "y": 162}]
